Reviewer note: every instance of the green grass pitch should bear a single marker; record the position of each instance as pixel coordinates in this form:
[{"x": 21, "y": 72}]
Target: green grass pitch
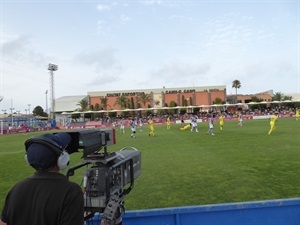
[{"x": 181, "y": 168}]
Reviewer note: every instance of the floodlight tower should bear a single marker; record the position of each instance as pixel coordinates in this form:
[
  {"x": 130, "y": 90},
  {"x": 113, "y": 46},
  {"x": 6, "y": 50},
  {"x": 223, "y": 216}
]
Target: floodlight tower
[{"x": 52, "y": 68}]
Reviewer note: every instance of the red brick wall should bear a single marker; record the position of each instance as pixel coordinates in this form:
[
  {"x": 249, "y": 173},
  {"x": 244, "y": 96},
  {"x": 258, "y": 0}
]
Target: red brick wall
[{"x": 198, "y": 98}]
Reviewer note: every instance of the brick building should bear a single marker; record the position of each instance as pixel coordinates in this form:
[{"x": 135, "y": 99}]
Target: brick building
[
  {"x": 265, "y": 96},
  {"x": 162, "y": 97}
]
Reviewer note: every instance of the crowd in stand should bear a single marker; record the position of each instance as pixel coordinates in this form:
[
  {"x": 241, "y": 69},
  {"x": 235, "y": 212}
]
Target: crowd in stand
[
  {"x": 204, "y": 115},
  {"x": 161, "y": 118}
]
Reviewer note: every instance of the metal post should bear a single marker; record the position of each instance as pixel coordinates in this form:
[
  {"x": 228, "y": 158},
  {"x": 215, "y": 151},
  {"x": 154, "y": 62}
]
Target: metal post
[
  {"x": 47, "y": 102},
  {"x": 3, "y": 110},
  {"x": 26, "y": 110},
  {"x": 29, "y": 114},
  {"x": 11, "y": 111},
  {"x": 29, "y": 109},
  {"x": 52, "y": 93},
  {"x": 51, "y": 68},
  {"x": 4, "y": 113}
]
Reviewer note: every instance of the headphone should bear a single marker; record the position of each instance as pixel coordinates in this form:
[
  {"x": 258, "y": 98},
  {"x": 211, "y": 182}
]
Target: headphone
[{"x": 63, "y": 159}]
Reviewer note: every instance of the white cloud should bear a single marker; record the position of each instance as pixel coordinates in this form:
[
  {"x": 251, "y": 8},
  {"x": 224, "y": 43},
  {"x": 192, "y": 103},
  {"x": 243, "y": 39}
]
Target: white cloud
[
  {"x": 152, "y": 2},
  {"x": 22, "y": 48},
  {"x": 102, "y": 59},
  {"x": 100, "y": 24},
  {"x": 180, "y": 17},
  {"x": 180, "y": 71},
  {"x": 200, "y": 43},
  {"x": 105, "y": 79},
  {"x": 15, "y": 46},
  {"x": 124, "y": 19},
  {"x": 102, "y": 8}
]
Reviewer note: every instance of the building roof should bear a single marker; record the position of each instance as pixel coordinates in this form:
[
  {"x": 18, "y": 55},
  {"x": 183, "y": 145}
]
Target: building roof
[{"x": 68, "y": 103}]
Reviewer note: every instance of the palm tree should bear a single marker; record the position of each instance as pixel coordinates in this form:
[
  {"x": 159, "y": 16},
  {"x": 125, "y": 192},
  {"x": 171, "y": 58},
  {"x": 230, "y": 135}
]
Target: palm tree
[
  {"x": 96, "y": 107},
  {"x": 278, "y": 96},
  {"x": 144, "y": 98},
  {"x": 104, "y": 103},
  {"x": 236, "y": 84},
  {"x": 84, "y": 105},
  {"x": 122, "y": 101}
]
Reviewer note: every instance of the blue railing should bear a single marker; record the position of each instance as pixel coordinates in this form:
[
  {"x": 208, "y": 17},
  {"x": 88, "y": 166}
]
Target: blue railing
[{"x": 271, "y": 212}]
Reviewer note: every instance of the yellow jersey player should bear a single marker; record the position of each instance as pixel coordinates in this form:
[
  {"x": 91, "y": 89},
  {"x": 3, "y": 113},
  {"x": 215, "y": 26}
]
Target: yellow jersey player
[
  {"x": 151, "y": 126},
  {"x": 186, "y": 127},
  {"x": 168, "y": 123},
  {"x": 221, "y": 121},
  {"x": 273, "y": 121},
  {"x": 297, "y": 114}
]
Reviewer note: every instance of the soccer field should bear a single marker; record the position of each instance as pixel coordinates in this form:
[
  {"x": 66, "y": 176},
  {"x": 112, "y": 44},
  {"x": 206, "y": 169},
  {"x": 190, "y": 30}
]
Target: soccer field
[{"x": 182, "y": 168}]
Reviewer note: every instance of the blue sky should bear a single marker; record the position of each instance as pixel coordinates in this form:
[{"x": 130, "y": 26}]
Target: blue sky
[{"x": 144, "y": 44}]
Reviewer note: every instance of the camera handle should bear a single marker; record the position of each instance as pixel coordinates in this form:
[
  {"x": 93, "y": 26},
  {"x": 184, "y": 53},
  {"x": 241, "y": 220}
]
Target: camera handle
[{"x": 113, "y": 211}]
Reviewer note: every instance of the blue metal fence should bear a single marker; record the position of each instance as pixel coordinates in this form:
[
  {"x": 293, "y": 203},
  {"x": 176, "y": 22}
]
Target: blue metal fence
[{"x": 271, "y": 212}]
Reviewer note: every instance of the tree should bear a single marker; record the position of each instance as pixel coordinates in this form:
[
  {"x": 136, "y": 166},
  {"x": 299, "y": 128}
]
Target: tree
[
  {"x": 144, "y": 98},
  {"x": 191, "y": 101},
  {"x": 278, "y": 96},
  {"x": 84, "y": 105},
  {"x": 97, "y": 107},
  {"x": 218, "y": 101},
  {"x": 183, "y": 101},
  {"x": 132, "y": 103},
  {"x": 122, "y": 101},
  {"x": 104, "y": 102},
  {"x": 173, "y": 104},
  {"x": 286, "y": 97},
  {"x": 39, "y": 111},
  {"x": 256, "y": 99},
  {"x": 236, "y": 84},
  {"x": 256, "y": 106},
  {"x": 75, "y": 116}
]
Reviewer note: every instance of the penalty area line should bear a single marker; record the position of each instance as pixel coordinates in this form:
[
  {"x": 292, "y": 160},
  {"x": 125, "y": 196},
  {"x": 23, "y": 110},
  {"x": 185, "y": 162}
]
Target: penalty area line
[{"x": 7, "y": 153}]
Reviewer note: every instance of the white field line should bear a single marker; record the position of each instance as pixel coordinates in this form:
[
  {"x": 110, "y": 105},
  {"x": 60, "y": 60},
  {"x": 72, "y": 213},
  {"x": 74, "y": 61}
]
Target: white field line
[{"x": 8, "y": 153}]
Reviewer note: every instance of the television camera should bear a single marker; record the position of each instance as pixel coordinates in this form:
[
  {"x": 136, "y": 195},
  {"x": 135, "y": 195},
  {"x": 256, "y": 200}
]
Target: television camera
[{"x": 108, "y": 177}]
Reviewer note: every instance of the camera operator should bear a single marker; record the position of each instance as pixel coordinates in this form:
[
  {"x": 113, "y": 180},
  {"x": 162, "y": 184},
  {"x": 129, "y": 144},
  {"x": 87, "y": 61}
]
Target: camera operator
[{"x": 46, "y": 197}]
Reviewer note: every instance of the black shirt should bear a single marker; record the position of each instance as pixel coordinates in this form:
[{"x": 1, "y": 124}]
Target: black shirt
[{"x": 46, "y": 198}]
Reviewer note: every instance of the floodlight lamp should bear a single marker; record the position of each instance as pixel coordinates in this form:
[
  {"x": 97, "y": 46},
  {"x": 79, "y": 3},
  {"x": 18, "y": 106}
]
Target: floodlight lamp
[{"x": 52, "y": 67}]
